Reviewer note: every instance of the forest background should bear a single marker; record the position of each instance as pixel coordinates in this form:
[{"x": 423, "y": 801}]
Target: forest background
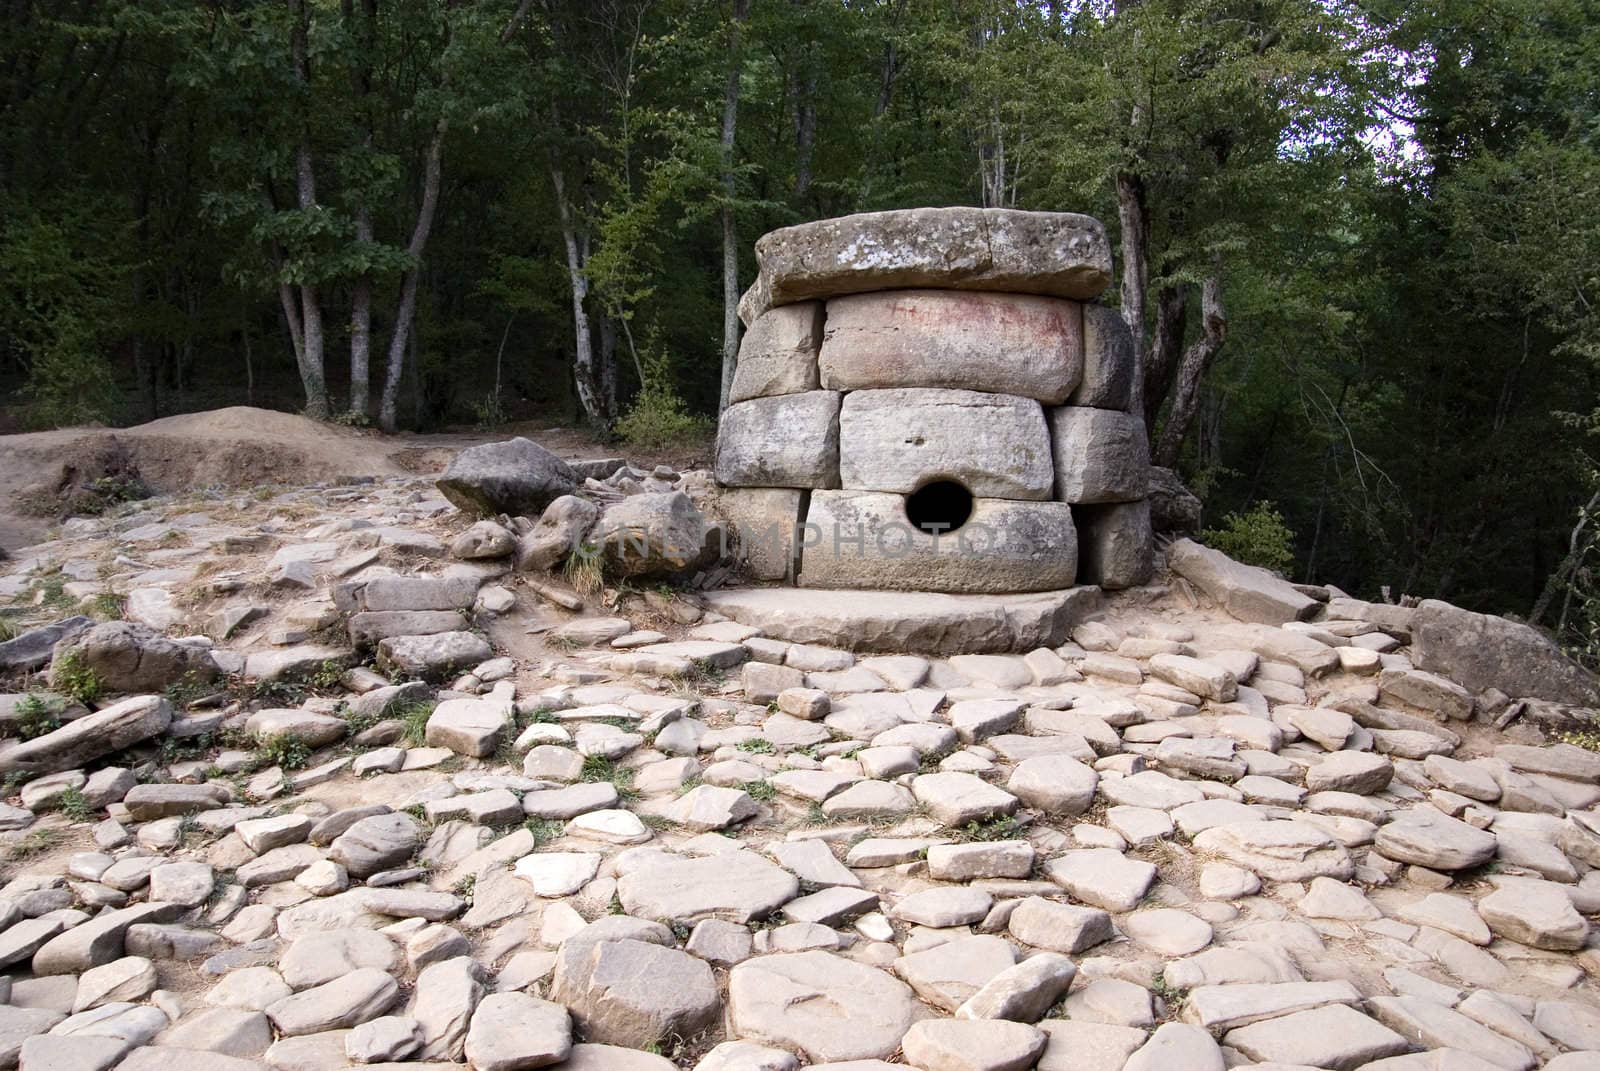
[{"x": 1358, "y": 242}]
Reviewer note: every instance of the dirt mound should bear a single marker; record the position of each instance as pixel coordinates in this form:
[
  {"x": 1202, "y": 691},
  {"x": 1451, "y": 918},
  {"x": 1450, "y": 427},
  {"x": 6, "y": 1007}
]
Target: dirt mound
[{"x": 235, "y": 447}]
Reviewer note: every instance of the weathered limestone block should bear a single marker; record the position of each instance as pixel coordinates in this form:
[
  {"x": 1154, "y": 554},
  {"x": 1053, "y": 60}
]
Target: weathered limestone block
[
  {"x": 1060, "y": 254},
  {"x": 861, "y": 539},
  {"x": 76, "y": 743},
  {"x": 1481, "y": 651},
  {"x": 1100, "y": 455},
  {"x": 994, "y": 445},
  {"x": 1114, "y": 544},
  {"x": 518, "y": 477},
  {"x": 1006, "y": 343},
  {"x": 1109, "y": 361},
  {"x": 650, "y": 534},
  {"x": 763, "y": 521},
  {"x": 778, "y": 355},
  {"x": 127, "y": 657},
  {"x": 1248, "y": 592},
  {"x": 788, "y": 441},
  {"x": 910, "y": 621}
]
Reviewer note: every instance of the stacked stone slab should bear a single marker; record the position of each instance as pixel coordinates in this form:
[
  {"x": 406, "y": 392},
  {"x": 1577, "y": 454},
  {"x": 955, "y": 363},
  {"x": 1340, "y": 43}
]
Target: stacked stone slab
[{"x": 893, "y": 352}]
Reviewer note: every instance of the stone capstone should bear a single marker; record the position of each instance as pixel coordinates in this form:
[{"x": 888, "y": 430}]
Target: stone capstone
[{"x": 1057, "y": 254}]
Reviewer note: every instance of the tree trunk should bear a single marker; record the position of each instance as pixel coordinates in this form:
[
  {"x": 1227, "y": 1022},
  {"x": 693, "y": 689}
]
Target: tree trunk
[
  {"x": 1197, "y": 360},
  {"x": 1133, "y": 214},
  {"x": 730, "y": 234},
  {"x": 406, "y": 313},
  {"x": 805, "y": 125},
  {"x": 584, "y": 379},
  {"x": 365, "y": 32},
  {"x": 361, "y": 326},
  {"x": 311, "y": 370},
  {"x": 1161, "y": 360}
]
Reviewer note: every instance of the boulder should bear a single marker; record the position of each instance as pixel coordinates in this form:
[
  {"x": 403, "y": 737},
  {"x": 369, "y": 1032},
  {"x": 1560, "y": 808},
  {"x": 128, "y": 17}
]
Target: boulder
[
  {"x": 652, "y": 535},
  {"x": 1058, "y": 254},
  {"x": 1279, "y": 851},
  {"x": 978, "y": 1044},
  {"x": 1109, "y": 360},
  {"x": 376, "y": 843},
  {"x": 433, "y": 656},
  {"x": 639, "y": 993},
  {"x": 864, "y": 540},
  {"x": 1481, "y": 651},
  {"x": 471, "y": 727},
  {"x": 77, "y": 743},
  {"x": 349, "y": 1001},
  {"x": 34, "y": 647},
  {"x": 825, "y": 1006},
  {"x": 1011, "y": 344},
  {"x": 1248, "y": 592},
  {"x": 517, "y": 477},
  {"x": 897, "y": 622},
  {"x": 738, "y": 886},
  {"x": 993, "y": 445},
  {"x": 127, "y": 657},
  {"x": 484, "y": 540},
  {"x": 1424, "y": 837},
  {"x": 1115, "y": 544},
  {"x": 1100, "y": 455},
  {"x": 791, "y": 440},
  {"x": 559, "y": 531},
  {"x": 1535, "y": 913},
  {"x": 764, "y": 522},
  {"x": 778, "y": 354},
  {"x": 515, "y": 1032}
]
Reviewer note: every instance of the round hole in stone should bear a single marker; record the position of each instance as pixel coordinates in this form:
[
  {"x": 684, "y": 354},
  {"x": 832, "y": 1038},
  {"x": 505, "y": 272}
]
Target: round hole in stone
[{"x": 939, "y": 506}]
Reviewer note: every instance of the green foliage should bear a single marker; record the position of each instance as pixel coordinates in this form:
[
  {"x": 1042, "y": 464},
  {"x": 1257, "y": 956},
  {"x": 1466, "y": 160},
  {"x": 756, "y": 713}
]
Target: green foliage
[
  {"x": 74, "y": 806},
  {"x": 600, "y": 768},
  {"x": 55, "y": 278},
  {"x": 37, "y": 715},
  {"x": 544, "y": 830},
  {"x": 71, "y": 676},
  {"x": 1002, "y": 828},
  {"x": 659, "y": 418},
  {"x": 757, "y": 745},
  {"x": 286, "y": 751},
  {"x": 186, "y": 689},
  {"x": 414, "y": 716},
  {"x": 1256, "y": 537},
  {"x": 760, "y": 791},
  {"x": 107, "y": 606},
  {"x": 1589, "y": 739},
  {"x": 584, "y": 569}
]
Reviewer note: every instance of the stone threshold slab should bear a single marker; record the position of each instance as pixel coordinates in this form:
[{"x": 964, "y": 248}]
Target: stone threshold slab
[{"x": 910, "y": 622}]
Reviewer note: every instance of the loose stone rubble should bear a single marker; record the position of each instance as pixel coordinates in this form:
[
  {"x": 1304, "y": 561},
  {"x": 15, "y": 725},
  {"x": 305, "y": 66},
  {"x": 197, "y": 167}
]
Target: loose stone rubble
[{"x": 356, "y": 785}]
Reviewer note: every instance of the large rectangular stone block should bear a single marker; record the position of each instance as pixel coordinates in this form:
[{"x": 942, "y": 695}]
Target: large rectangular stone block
[
  {"x": 994, "y": 445},
  {"x": 778, "y": 355},
  {"x": 863, "y": 539},
  {"x": 1059, "y": 254},
  {"x": 791, "y": 440},
  {"x": 1002, "y": 343},
  {"x": 1101, "y": 455},
  {"x": 1109, "y": 362},
  {"x": 763, "y": 522},
  {"x": 1114, "y": 544}
]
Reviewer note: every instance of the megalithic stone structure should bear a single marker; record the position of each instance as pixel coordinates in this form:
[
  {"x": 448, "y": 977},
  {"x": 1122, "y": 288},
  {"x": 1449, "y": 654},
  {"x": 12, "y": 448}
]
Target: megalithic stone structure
[{"x": 926, "y": 400}]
